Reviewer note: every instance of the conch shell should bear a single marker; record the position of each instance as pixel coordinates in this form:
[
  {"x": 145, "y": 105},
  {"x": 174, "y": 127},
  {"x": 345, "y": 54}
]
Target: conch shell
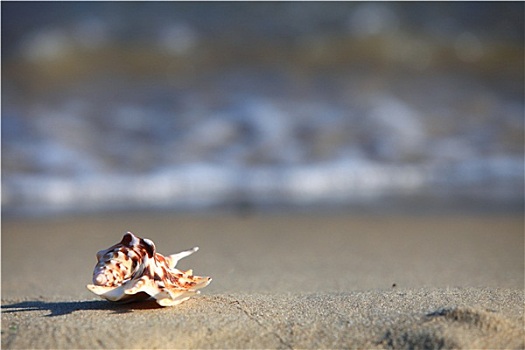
[{"x": 132, "y": 270}]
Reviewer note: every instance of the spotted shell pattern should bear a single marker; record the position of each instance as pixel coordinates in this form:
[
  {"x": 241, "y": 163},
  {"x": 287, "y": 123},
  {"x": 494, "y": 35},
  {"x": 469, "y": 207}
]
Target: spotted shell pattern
[{"x": 132, "y": 270}]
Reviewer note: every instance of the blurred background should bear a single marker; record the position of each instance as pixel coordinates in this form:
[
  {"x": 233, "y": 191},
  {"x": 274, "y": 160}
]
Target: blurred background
[{"x": 118, "y": 106}]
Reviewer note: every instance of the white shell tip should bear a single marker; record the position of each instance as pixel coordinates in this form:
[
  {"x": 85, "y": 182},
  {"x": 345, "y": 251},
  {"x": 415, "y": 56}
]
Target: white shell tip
[{"x": 100, "y": 279}]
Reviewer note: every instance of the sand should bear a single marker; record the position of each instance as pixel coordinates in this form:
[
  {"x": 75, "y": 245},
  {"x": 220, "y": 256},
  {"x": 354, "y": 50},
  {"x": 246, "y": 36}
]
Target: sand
[{"x": 279, "y": 281}]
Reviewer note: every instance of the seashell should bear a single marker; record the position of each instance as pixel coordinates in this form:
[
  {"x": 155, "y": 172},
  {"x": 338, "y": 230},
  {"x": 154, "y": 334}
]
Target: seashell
[{"x": 132, "y": 270}]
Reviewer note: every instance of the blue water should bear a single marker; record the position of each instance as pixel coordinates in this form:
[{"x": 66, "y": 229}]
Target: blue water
[{"x": 198, "y": 106}]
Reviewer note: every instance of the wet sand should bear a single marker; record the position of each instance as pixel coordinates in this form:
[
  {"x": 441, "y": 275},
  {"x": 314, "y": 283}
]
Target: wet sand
[{"x": 279, "y": 281}]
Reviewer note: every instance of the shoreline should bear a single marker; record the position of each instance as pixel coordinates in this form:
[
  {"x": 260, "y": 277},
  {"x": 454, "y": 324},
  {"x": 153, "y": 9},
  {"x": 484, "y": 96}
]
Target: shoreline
[{"x": 279, "y": 281}]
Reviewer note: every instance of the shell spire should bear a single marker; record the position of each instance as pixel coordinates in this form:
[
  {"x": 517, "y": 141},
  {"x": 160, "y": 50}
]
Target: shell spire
[{"x": 133, "y": 270}]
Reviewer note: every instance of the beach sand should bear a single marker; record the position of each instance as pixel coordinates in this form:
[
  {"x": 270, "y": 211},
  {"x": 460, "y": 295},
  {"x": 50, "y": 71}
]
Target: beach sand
[{"x": 279, "y": 281}]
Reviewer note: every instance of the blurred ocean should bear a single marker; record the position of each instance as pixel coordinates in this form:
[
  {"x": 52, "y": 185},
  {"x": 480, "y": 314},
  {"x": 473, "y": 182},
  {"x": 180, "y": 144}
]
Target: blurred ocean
[{"x": 198, "y": 106}]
